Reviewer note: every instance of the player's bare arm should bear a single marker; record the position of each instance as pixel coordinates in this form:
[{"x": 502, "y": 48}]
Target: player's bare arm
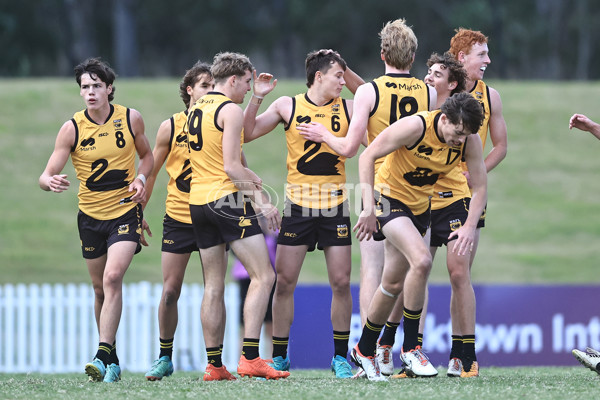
[
  {"x": 279, "y": 111},
  {"x": 432, "y": 98},
  {"x": 583, "y": 123},
  {"x": 51, "y": 179},
  {"x": 498, "y": 133},
  {"x": 263, "y": 85},
  {"x": 142, "y": 146},
  {"x": 159, "y": 153},
  {"x": 347, "y": 146},
  {"x": 474, "y": 158},
  {"x": 231, "y": 119},
  {"x": 353, "y": 80}
]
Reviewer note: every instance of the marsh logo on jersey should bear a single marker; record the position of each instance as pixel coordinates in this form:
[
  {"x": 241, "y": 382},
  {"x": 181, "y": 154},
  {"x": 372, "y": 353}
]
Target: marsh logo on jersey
[
  {"x": 335, "y": 108},
  {"x": 455, "y": 224},
  {"x": 118, "y": 123},
  {"x": 88, "y": 142},
  {"x": 303, "y": 119},
  {"x": 123, "y": 229},
  {"x": 181, "y": 140},
  {"x": 342, "y": 231},
  {"x": 478, "y": 95}
]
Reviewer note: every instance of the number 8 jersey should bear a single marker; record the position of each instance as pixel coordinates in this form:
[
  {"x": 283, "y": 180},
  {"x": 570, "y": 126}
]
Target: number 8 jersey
[{"x": 104, "y": 159}]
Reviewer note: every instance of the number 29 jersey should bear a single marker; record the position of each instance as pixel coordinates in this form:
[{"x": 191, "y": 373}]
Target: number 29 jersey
[
  {"x": 104, "y": 159},
  {"x": 210, "y": 182}
]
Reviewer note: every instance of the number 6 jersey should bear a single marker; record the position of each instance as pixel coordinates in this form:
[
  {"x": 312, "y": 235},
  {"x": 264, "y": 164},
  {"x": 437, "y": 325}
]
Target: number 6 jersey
[{"x": 316, "y": 174}]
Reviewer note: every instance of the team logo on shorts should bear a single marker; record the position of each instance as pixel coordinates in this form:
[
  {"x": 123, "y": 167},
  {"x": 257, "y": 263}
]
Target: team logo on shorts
[
  {"x": 244, "y": 222},
  {"x": 123, "y": 229},
  {"x": 455, "y": 224},
  {"x": 342, "y": 231}
]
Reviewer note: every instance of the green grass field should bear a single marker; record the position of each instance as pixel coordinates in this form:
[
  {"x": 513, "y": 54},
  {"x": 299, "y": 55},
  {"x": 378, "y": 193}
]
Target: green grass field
[
  {"x": 542, "y": 222},
  {"x": 496, "y": 383}
]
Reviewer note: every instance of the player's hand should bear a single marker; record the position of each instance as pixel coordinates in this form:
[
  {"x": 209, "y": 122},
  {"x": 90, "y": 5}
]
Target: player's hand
[
  {"x": 58, "y": 183},
  {"x": 272, "y": 217},
  {"x": 366, "y": 225},
  {"x": 256, "y": 181},
  {"x": 313, "y": 131},
  {"x": 263, "y": 84},
  {"x": 465, "y": 241},
  {"x": 145, "y": 227},
  {"x": 140, "y": 193},
  {"x": 580, "y": 122}
]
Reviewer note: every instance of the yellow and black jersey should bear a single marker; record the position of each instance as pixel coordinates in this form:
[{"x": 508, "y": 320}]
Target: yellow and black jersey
[
  {"x": 104, "y": 159},
  {"x": 179, "y": 170},
  {"x": 396, "y": 96},
  {"x": 481, "y": 92},
  {"x": 409, "y": 173},
  {"x": 209, "y": 180},
  {"x": 316, "y": 174},
  {"x": 453, "y": 186}
]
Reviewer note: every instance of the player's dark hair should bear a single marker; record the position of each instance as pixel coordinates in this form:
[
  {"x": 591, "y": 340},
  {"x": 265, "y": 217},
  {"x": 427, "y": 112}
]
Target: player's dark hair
[
  {"x": 97, "y": 69},
  {"x": 191, "y": 77},
  {"x": 463, "y": 108},
  {"x": 456, "y": 72},
  {"x": 321, "y": 60}
]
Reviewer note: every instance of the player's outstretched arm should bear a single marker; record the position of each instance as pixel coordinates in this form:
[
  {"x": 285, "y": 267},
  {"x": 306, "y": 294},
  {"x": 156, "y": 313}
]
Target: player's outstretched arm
[
  {"x": 583, "y": 123},
  {"x": 348, "y": 145},
  {"x": 51, "y": 179}
]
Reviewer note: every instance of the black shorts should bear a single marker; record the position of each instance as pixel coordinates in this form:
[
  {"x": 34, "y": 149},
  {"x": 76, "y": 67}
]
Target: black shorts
[
  {"x": 388, "y": 208},
  {"x": 448, "y": 219},
  {"x": 178, "y": 237},
  {"x": 315, "y": 227},
  {"x": 98, "y": 235},
  {"x": 229, "y": 218},
  {"x": 244, "y": 284}
]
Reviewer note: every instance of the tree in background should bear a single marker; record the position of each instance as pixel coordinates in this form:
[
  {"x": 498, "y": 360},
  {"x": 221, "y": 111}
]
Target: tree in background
[{"x": 532, "y": 39}]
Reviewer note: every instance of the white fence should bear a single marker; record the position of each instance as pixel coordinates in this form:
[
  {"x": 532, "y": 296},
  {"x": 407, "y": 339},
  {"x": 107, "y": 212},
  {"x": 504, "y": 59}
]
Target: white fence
[{"x": 51, "y": 328}]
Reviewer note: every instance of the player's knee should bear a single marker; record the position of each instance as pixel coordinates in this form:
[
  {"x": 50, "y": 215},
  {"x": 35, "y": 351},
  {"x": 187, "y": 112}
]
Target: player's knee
[
  {"x": 422, "y": 264},
  {"x": 340, "y": 285},
  {"x": 99, "y": 294},
  {"x": 459, "y": 277},
  {"x": 113, "y": 280},
  {"x": 284, "y": 285},
  {"x": 170, "y": 296}
]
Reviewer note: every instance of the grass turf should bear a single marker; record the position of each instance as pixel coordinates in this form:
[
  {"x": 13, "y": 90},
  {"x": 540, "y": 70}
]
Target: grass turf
[{"x": 495, "y": 383}]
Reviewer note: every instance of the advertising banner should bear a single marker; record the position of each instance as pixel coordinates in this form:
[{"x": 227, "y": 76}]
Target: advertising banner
[{"x": 517, "y": 325}]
